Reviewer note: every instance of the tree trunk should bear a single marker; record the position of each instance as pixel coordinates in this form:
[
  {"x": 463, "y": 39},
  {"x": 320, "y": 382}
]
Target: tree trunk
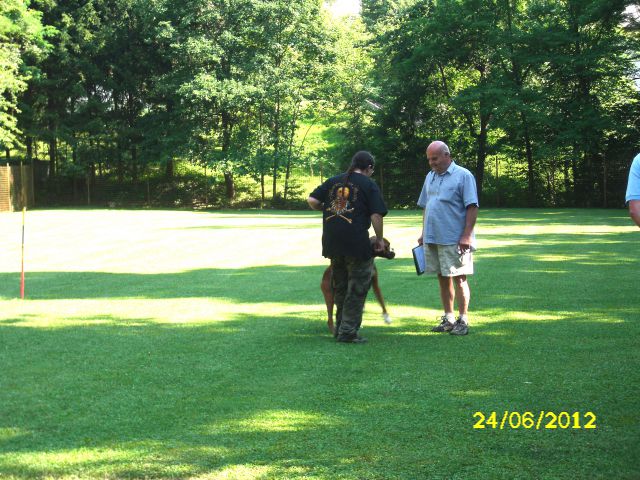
[
  {"x": 52, "y": 158},
  {"x": 74, "y": 160},
  {"x": 169, "y": 170},
  {"x": 576, "y": 178},
  {"x": 531, "y": 178},
  {"x": 229, "y": 185},
  {"x": 120, "y": 164},
  {"x": 604, "y": 182},
  {"x": 567, "y": 182},
  {"x": 53, "y": 154},
  {"x": 482, "y": 152},
  {"x": 134, "y": 163},
  {"x": 290, "y": 154},
  {"x": 88, "y": 179},
  {"x": 226, "y": 143},
  {"x": 286, "y": 179},
  {"x": 29, "y": 144},
  {"x": 261, "y": 157},
  {"x": 276, "y": 148},
  {"x": 552, "y": 185},
  {"x": 497, "y": 182},
  {"x": 99, "y": 158}
]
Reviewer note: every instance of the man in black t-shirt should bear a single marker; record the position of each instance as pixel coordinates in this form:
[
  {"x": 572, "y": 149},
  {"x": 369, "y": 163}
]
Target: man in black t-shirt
[{"x": 351, "y": 203}]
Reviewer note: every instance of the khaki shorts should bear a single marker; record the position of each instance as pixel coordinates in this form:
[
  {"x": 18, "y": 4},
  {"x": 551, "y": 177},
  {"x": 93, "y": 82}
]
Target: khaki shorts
[{"x": 445, "y": 260}]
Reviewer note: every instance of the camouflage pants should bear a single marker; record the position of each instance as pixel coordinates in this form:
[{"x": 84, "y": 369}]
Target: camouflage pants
[{"x": 350, "y": 281}]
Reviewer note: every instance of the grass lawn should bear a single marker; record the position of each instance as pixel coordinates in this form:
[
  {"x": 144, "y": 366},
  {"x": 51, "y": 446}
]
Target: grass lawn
[{"x": 174, "y": 344}]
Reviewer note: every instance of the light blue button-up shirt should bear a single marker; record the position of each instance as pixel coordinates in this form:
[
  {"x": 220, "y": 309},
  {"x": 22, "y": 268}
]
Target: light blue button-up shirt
[
  {"x": 633, "y": 186},
  {"x": 446, "y": 198}
]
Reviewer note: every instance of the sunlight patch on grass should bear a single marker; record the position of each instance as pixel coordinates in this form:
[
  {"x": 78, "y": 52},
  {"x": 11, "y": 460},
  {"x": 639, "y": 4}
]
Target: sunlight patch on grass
[
  {"x": 8, "y": 433},
  {"x": 131, "y": 458},
  {"x": 238, "y": 472},
  {"x": 472, "y": 393},
  {"x": 412, "y": 334},
  {"x": 564, "y": 229},
  {"x": 491, "y": 333},
  {"x": 132, "y": 312},
  {"x": 490, "y": 316},
  {"x": 152, "y": 242},
  {"x": 274, "y": 421},
  {"x": 69, "y": 458},
  {"x": 499, "y": 315},
  {"x": 486, "y": 243},
  {"x": 189, "y": 312},
  {"x": 557, "y": 258},
  {"x": 546, "y": 271}
]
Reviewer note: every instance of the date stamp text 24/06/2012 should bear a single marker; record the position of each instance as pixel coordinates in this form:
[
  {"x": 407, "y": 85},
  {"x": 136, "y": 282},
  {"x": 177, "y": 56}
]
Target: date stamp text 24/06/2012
[{"x": 542, "y": 420}]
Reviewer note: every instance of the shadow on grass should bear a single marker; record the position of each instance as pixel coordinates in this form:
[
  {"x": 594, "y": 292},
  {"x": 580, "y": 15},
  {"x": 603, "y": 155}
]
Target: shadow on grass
[
  {"x": 258, "y": 284},
  {"x": 281, "y": 399}
]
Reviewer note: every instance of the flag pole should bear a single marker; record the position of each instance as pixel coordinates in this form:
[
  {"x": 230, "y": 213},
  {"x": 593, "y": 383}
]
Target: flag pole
[{"x": 22, "y": 262}]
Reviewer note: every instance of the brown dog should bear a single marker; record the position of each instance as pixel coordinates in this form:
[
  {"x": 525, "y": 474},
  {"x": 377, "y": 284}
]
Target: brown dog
[{"x": 327, "y": 291}]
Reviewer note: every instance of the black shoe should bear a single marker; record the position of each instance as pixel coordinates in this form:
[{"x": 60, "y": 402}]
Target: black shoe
[
  {"x": 460, "y": 328},
  {"x": 350, "y": 339},
  {"x": 444, "y": 326}
]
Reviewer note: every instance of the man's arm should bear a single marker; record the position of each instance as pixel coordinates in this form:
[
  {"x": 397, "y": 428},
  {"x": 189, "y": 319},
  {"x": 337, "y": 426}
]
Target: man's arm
[
  {"x": 470, "y": 221},
  {"x": 314, "y": 203},
  {"x": 421, "y": 239},
  {"x": 634, "y": 211},
  {"x": 377, "y": 222}
]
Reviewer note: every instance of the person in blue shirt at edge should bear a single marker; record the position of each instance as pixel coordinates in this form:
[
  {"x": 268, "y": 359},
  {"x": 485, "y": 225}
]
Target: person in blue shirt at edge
[
  {"x": 450, "y": 201},
  {"x": 633, "y": 191},
  {"x": 351, "y": 202}
]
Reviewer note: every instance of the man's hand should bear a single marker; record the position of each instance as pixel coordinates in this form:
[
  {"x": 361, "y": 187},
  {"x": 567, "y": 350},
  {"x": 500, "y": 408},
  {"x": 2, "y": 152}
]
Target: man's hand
[
  {"x": 378, "y": 246},
  {"x": 464, "y": 244},
  {"x": 421, "y": 239}
]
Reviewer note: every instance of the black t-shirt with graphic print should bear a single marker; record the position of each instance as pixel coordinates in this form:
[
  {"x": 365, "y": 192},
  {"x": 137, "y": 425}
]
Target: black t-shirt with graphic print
[{"x": 347, "y": 214}]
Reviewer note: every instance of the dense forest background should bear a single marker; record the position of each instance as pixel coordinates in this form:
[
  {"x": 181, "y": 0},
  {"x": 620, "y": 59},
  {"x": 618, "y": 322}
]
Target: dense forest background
[{"x": 251, "y": 103}]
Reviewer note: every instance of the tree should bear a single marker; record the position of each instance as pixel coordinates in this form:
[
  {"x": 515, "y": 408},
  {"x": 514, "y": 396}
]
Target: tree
[{"x": 22, "y": 39}]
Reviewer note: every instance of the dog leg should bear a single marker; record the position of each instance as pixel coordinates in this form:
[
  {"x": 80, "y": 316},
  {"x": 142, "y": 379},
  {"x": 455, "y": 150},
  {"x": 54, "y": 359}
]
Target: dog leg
[
  {"x": 327, "y": 291},
  {"x": 378, "y": 293}
]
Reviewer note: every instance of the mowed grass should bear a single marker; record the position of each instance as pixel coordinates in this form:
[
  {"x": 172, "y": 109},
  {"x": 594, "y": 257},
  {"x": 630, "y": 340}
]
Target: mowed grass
[{"x": 164, "y": 344}]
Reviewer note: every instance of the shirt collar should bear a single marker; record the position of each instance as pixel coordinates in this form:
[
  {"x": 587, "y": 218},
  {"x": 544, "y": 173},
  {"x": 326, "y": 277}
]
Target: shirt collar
[{"x": 452, "y": 167}]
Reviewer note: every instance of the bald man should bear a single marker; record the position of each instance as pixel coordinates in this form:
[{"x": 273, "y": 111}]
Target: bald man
[{"x": 450, "y": 202}]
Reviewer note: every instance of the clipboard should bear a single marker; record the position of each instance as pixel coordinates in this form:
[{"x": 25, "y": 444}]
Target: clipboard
[{"x": 418, "y": 259}]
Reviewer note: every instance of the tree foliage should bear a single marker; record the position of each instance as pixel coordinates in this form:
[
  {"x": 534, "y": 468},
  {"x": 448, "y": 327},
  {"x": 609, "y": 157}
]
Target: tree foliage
[
  {"x": 22, "y": 40},
  {"x": 536, "y": 97},
  {"x": 543, "y": 87}
]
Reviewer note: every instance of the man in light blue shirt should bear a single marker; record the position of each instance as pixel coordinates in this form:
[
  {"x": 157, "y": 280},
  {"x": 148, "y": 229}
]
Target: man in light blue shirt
[
  {"x": 633, "y": 190},
  {"x": 450, "y": 201}
]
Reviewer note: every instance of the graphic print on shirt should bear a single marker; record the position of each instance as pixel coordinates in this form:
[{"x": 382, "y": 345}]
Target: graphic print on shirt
[{"x": 339, "y": 201}]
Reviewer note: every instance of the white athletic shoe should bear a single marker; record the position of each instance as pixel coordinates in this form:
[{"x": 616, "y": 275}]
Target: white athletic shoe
[{"x": 387, "y": 318}]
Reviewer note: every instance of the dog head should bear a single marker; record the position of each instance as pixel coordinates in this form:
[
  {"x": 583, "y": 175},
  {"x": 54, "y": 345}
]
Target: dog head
[{"x": 387, "y": 252}]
